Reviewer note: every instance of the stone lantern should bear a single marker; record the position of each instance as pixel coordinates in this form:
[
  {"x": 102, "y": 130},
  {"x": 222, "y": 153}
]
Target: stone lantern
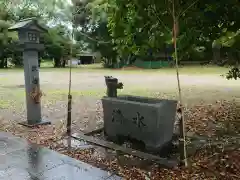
[{"x": 29, "y": 31}]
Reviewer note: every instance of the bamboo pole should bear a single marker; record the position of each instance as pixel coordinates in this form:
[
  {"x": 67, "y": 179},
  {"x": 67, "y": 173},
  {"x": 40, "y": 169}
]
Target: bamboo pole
[
  {"x": 182, "y": 142},
  {"x": 69, "y": 107}
]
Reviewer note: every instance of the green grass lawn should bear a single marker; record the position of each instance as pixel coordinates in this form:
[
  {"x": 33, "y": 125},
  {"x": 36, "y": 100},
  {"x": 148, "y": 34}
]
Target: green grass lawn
[
  {"x": 47, "y": 66},
  {"x": 184, "y": 70}
]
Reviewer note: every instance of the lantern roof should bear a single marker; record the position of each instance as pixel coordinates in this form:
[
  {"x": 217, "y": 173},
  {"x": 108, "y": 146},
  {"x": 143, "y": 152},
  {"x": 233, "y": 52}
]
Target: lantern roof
[{"x": 28, "y": 24}]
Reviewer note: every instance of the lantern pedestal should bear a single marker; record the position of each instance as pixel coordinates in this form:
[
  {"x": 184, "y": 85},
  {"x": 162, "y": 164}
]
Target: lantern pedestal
[
  {"x": 29, "y": 34},
  {"x": 41, "y": 123}
]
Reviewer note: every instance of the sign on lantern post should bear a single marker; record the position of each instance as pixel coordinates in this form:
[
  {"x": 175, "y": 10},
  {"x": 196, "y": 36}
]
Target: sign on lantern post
[{"x": 29, "y": 33}]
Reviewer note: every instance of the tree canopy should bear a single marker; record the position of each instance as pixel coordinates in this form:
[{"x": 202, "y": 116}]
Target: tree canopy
[
  {"x": 137, "y": 26},
  {"x": 120, "y": 29}
]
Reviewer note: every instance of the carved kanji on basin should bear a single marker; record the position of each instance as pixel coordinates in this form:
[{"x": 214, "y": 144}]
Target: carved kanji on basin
[{"x": 138, "y": 120}]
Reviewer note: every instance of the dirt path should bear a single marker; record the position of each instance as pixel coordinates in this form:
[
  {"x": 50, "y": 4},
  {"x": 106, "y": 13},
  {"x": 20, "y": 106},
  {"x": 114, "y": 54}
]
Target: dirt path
[{"x": 87, "y": 112}]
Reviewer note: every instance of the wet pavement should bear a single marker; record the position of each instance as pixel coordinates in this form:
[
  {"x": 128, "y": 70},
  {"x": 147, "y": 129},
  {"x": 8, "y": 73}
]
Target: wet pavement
[{"x": 20, "y": 160}]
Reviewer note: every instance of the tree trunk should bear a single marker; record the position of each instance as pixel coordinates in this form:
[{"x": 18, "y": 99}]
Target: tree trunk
[
  {"x": 1, "y": 62},
  {"x": 39, "y": 61},
  {"x": 216, "y": 55},
  {"x": 63, "y": 64},
  {"x": 216, "y": 49},
  {"x": 17, "y": 59},
  {"x": 57, "y": 63},
  {"x": 5, "y": 63}
]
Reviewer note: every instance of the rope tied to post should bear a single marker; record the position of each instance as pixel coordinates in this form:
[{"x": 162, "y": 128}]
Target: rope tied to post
[{"x": 36, "y": 94}]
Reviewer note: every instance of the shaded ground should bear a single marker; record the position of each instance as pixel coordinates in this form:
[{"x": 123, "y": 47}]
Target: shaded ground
[
  {"x": 217, "y": 159},
  {"x": 88, "y": 87}
]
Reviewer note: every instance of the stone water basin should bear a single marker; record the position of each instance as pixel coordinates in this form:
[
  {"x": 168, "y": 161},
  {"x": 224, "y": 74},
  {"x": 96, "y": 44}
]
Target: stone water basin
[{"x": 148, "y": 120}]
